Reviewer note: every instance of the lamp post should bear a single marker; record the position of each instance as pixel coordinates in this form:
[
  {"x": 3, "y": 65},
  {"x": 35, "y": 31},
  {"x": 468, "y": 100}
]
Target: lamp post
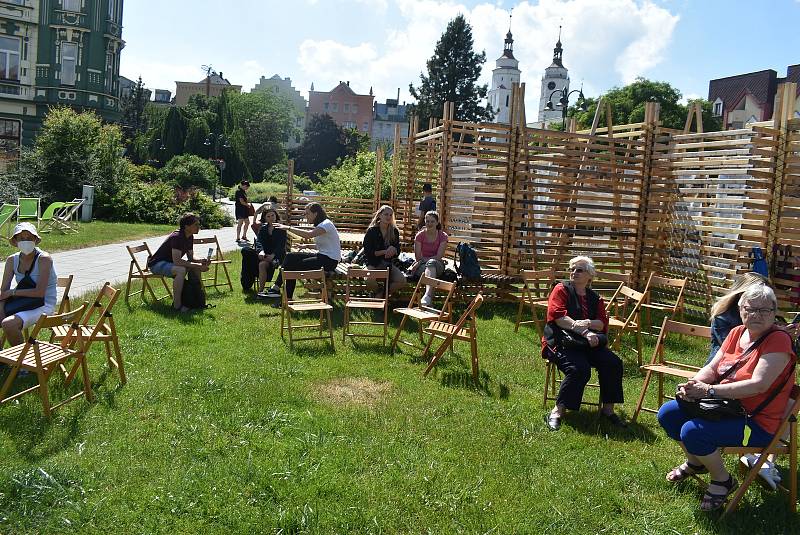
[
  {"x": 563, "y": 103},
  {"x": 160, "y": 150},
  {"x": 218, "y": 140}
]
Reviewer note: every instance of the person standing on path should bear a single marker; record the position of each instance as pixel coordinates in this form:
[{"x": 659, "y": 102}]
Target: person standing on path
[{"x": 242, "y": 211}]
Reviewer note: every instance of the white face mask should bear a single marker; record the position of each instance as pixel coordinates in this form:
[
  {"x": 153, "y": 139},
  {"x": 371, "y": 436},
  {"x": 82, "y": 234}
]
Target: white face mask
[{"x": 26, "y": 247}]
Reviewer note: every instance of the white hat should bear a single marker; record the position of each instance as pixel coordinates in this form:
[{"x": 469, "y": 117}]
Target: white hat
[{"x": 22, "y": 227}]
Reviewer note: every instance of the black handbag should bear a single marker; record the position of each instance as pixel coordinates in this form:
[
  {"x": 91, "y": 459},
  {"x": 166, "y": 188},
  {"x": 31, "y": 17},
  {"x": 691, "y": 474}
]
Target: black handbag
[
  {"x": 563, "y": 339},
  {"x": 21, "y": 303},
  {"x": 717, "y": 409}
]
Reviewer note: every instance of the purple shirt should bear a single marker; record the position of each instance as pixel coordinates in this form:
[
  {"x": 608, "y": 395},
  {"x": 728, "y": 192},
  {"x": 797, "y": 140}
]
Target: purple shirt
[{"x": 176, "y": 240}]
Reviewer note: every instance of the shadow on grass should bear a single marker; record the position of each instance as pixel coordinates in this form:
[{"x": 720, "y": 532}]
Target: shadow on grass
[{"x": 589, "y": 422}]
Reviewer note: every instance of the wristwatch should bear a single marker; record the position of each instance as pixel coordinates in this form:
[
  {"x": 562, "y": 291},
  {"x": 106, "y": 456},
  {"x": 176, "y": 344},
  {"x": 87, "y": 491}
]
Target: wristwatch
[{"x": 711, "y": 392}]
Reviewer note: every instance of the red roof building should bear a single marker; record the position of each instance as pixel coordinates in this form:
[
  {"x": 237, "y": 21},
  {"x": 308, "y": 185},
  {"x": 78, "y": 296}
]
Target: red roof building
[
  {"x": 749, "y": 98},
  {"x": 348, "y": 109}
]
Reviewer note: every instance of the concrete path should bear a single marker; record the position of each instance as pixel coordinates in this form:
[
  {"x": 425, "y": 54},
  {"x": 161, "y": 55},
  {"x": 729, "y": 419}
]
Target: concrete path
[{"x": 93, "y": 266}]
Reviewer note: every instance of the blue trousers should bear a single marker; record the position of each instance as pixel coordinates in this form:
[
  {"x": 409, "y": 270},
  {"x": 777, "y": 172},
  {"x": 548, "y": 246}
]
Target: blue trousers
[{"x": 703, "y": 437}]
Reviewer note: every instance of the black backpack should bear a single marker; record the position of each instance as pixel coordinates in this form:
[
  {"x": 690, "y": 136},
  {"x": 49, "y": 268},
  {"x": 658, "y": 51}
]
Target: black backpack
[
  {"x": 193, "y": 295},
  {"x": 249, "y": 268},
  {"x": 468, "y": 266}
]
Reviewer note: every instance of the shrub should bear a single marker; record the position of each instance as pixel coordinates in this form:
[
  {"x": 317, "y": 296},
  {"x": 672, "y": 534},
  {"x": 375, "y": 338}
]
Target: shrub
[
  {"x": 355, "y": 177},
  {"x": 260, "y": 191},
  {"x": 190, "y": 171}
]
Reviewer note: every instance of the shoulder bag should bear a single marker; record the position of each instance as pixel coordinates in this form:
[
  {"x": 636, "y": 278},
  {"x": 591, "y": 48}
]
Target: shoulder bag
[{"x": 21, "y": 303}]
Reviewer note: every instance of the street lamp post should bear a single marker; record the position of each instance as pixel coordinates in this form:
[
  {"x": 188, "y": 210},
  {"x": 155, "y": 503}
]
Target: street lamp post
[
  {"x": 160, "y": 150},
  {"x": 563, "y": 103},
  {"x": 217, "y": 140}
]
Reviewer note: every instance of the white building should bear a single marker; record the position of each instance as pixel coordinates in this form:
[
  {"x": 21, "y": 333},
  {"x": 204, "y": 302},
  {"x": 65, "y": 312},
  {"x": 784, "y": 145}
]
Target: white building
[
  {"x": 504, "y": 75},
  {"x": 283, "y": 87},
  {"x": 556, "y": 78}
]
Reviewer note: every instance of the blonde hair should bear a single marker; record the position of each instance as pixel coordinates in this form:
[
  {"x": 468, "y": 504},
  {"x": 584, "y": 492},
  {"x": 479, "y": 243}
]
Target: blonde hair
[
  {"x": 740, "y": 285},
  {"x": 376, "y": 219},
  {"x": 588, "y": 262}
]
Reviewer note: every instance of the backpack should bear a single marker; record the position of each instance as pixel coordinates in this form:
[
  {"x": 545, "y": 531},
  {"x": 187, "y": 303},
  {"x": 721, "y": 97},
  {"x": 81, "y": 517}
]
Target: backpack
[
  {"x": 193, "y": 294},
  {"x": 468, "y": 266},
  {"x": 249, "y": 268}
]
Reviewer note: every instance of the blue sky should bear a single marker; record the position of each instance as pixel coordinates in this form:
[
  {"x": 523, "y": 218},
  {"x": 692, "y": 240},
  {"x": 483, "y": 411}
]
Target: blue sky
[{"x": 384, "y": 44}]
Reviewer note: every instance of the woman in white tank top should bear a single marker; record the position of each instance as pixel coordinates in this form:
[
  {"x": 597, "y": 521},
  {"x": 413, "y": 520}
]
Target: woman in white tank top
[{"x": 30, "y": 262}]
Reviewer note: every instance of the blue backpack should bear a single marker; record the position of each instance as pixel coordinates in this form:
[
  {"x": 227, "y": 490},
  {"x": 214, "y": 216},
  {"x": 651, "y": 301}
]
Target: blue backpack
[{"x": 468, "y": 266}]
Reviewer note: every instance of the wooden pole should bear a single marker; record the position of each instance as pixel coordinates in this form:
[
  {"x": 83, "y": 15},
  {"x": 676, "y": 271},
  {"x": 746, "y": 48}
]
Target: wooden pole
[
  {"x": 395, "y": 166},
  {"x": 378, "y": 175},
  {"x": 513, "y": 134},
  {"x": 652, "y": 110},
  {"x": 289, "y": 191}
]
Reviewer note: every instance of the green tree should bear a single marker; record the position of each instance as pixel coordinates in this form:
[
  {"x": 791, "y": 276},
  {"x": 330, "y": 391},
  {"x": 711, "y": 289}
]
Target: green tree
[
  {"x": 73, "y": 149},
  {"x": 452, "y": 72},
  {"x": 173, "y": 138},
  {"x": 196, "y": 137},
  {"x": 355, "y": 177},
  {"x": 264, "y": 121},
  {"x": 628, "y": 104},
  {"x": 322, "y": 147},
  {"x": 190, "y": 171}
]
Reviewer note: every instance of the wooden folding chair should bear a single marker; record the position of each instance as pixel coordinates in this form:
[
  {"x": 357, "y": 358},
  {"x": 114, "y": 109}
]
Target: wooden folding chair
[
  {"x": 665, "y": 296},
  {"x": 65, "y": 283},
  {"x": 141, "y": 271},
  {"x": 661, "y": 366},
  {"x": 357, "y": 297},
  {"x": 217, "y": 260},
  {"x": 7, "y": 213},
  {"x": 424, "y": 314},
  {"x": 552, "y": 380},
  {"x": 536, "y": 286},
  {"x": 783, "y": 443},
  {"x": 457, "y": 331},
  {"x": 97, "y": 325},
  {"x": 606, "y": 284},
  {"x": 627, "y": 303},
  {"x": 316, "y": 278},
  {"x": 43, "y": 358}
]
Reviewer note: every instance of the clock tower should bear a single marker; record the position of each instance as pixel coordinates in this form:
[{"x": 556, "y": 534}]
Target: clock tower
[{"x": 556, "y": 78}]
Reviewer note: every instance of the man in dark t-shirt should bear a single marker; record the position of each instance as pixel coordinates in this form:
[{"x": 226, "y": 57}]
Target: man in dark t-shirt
[
  {"x": 168, "y": 258},
  {"x": 427, "y": 204}
]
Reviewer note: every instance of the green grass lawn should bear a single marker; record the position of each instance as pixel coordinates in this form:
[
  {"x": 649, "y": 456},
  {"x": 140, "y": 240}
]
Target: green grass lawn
[
  {"x": 221, "y": 429},
  {"x": 90, "y": 234}
]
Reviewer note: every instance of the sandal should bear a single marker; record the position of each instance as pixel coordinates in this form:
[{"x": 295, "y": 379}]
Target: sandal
[
  {"x": 712, "y": 501},
  {"x": 679, "y": 473}
]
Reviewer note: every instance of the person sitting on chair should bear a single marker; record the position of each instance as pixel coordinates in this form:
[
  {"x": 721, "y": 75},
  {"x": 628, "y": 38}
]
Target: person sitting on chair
[
  {"x": 755, "y": 365},
  {"x": 430, "y": 244},
  {"x": 382, "y": 245},
  {"x": 576, "y": 312},
  {"x": 36, "y": 284},
  {"x": 326, "y": 238},
  {"x": 273, "y": 252},
  {"x": 168, "y": 259}
]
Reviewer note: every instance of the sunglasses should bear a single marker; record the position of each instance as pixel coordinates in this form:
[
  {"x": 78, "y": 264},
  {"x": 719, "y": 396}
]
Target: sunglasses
[{"x": 577, "y": 270}]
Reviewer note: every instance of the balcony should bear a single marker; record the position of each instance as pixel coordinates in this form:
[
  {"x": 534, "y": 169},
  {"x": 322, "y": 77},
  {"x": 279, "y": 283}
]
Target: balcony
[
  {"x": 114, "y": 29},
  {"x": 71, "y": 18}
]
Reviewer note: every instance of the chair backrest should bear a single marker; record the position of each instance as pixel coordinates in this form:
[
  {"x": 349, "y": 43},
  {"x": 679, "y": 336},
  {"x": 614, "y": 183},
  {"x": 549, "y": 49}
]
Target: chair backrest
[
  {"x": 28, "y": 207},
  {"x": 606, "y": 284},
  {"x": 50, "y": 211},
  {"x": 628, "y": 301},
  {"x": 469, "y": 314},
  {"x": 69, "y": 209},
  {"x": 133, "y": 251},
  {"x": 7, "y": 212},
  {"x": 359, "y": 275},
  {"x": 436, "y": 285},
  {"x": 670, "y": 327},
  {"x": 538, "y": 282},
  {"x": 666, "y": 291},
  {"x": 216, "y": 254},
  {"x": 66, "y": 284},
  {"x": 100, "y": 309},
  {"x": 73, "y": 339},
  {"x": 313, "y": 275}
]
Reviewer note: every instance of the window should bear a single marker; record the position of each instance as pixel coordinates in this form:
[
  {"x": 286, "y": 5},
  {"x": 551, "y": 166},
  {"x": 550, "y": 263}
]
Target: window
[
  {"x": 69, "y": 63},
  {"x": 18, "y": 2},
  {"x": 506, "y": 101},
  {"x": 72, "y": 5},
  {"x": 355, "y": 108},
  {"x": 9, "y": 58},
  {"x": 334, "y": 106},
  {"x": 365, "y": 127},
  {"x": 346, "y": 108},
  {"x": 718, "y": 109},
  {"x": 349, "y": 124},
  {"x": 326, "y": 106}
]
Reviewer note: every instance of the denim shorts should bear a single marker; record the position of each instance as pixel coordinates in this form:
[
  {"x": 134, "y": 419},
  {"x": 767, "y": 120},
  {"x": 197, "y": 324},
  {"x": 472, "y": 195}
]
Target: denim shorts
[{"x": 162, "y": 268}]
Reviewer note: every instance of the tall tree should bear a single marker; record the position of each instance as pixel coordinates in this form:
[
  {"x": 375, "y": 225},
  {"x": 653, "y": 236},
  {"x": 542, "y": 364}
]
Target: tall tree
[
  {"x": 324, "y": 144},
  {"x": 452, "y": 72},
  {"x": 628, "y": 103}
]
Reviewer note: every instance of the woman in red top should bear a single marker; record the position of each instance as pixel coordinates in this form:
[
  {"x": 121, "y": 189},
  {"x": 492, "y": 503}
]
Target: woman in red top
[
  {"x": 765, "y": 374},
  {"x": 574, "y": 307}
]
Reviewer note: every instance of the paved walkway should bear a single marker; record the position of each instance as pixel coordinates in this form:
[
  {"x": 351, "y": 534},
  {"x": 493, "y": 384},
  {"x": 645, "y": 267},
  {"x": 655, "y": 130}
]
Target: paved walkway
[{"x": 93, "y": 266}]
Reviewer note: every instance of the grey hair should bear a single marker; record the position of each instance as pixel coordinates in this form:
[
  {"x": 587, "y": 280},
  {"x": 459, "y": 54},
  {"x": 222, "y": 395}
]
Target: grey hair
[
  {"x": 584, "y": 260},
  {"x": 758, "y": 292}
]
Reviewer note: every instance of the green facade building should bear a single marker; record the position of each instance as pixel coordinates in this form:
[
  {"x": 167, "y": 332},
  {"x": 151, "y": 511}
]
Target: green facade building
[{"x": 56, "y": 52}]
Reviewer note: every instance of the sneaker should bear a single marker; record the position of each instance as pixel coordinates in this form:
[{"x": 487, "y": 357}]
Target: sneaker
[
  {"x": 273, "y": 292},
  {"x": 427, "y": 300},
  {"x": 768, "y": 473},
  {"x": 262, "y": 295}
]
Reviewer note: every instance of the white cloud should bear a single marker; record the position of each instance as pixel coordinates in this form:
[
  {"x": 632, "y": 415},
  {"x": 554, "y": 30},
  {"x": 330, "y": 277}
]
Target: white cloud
[{"x": 606, "y": 43}]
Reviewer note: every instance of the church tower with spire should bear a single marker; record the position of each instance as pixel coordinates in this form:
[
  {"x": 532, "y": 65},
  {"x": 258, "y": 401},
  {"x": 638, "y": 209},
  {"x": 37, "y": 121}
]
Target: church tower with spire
[
  {"x": 505, "y": 73},
  {"x": 556, "y": 77}
]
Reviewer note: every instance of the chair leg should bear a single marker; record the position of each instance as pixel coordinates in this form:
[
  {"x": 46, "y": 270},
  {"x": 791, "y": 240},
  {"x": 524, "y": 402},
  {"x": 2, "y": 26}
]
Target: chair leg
[
  {"x": 346, "y": 321},
  {"x": 43, "y": 392},
  {"x": 87, "y": 384},
  {"x": 166, "y": 286},
  {"x": 227, "y": 276},
  {"x": 641, "y": 395},
  {"x": 793, "y": 466},
  {"x": 397, "y": 334},
  {"x": 128, "y": 284},
  {"x": 436, "y": 356},
  {"x": 547, "y": 372},
  {"x": 289, "y": 326},
  {"x": 330, "y": 327},
  {"x": 120, "y": 362},
  {"x": 475, "y": 369},
  {"x": 519, "y": 314}
]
